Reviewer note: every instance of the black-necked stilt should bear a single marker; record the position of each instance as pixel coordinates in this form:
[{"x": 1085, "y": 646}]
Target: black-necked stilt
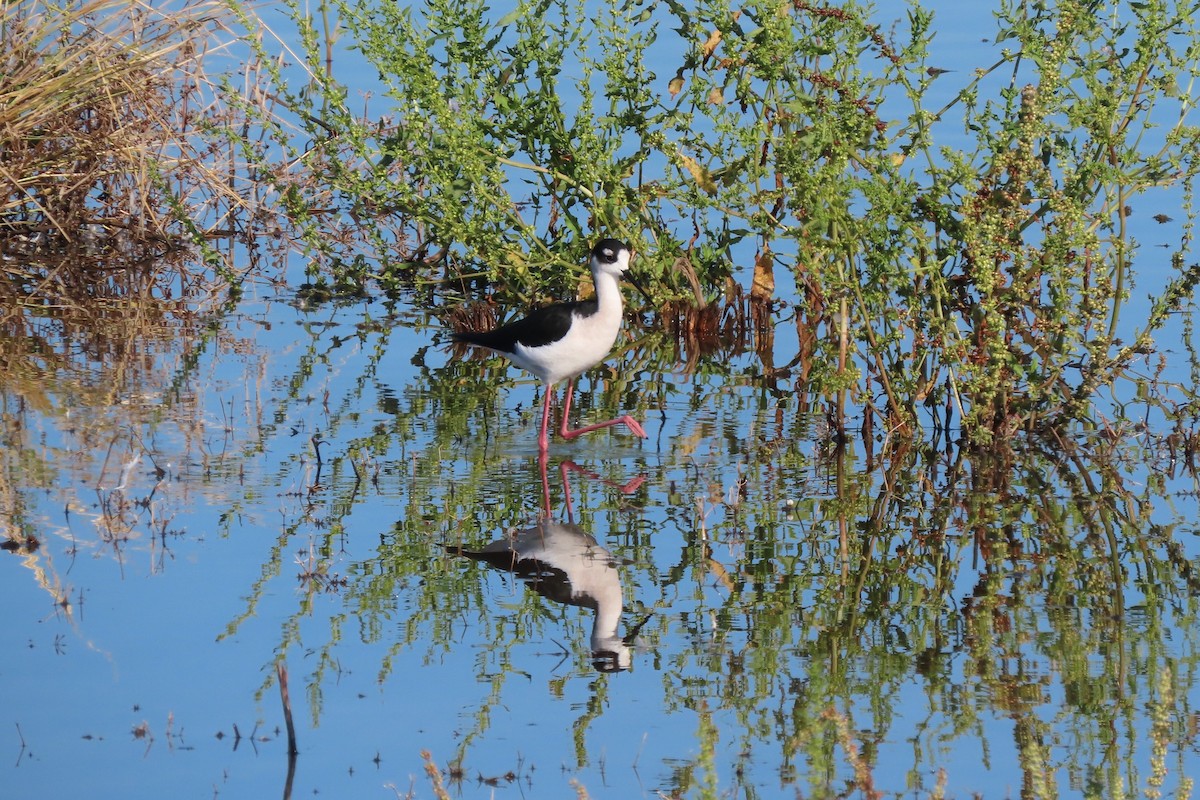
[{"x": 563, "y": 340}]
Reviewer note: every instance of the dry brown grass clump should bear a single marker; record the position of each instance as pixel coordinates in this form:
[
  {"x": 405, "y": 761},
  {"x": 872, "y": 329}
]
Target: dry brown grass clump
[{"x": 107, "y": 164}]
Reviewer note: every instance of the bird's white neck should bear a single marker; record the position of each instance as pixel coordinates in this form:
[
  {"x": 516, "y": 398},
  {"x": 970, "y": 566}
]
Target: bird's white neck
[{"x": 609, "y": 301}]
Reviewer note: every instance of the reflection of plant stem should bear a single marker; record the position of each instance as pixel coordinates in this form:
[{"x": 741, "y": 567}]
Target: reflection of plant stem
[
  {"x": 862, "y": 770},
  {"x": 21, "y": 736},
  {"x": 435, "y": 776}
]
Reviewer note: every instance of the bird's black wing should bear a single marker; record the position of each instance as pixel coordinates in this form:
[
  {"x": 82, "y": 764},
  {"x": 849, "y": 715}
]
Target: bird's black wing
[{"x": 539, "y": 327}]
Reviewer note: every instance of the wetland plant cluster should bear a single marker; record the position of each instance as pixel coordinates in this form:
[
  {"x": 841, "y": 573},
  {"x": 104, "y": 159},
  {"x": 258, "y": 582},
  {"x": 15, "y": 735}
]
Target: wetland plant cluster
[{"x": 978, "y": 283}]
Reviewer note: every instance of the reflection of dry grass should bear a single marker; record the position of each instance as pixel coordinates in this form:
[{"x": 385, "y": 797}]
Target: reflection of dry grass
[
  {"x": 315, "y": 572},
  {"x": 40, "y": 564},
  {"x": 86, "y": 354},
  {"x": 435, "y": 776},
  {"x": 102, "y": 413},
  {"x": 735, "y": 325}
]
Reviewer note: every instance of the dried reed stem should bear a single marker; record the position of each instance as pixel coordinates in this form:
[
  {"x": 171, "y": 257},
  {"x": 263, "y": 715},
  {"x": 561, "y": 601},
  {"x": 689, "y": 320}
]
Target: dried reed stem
[{"x": 281, "y": 671}]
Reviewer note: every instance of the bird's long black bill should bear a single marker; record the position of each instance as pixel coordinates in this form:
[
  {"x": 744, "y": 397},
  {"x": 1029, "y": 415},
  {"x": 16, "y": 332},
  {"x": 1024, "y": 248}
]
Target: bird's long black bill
[{"x": 637, "y": 285}]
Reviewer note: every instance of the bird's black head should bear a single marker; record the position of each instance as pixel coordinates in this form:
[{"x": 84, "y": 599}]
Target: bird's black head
[
  {"x": 614, "y": 257},
  {"x": 608, "y": 251}
]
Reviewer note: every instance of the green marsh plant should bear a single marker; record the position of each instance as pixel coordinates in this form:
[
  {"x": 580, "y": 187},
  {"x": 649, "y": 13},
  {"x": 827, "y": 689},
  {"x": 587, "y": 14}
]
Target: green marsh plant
[{"x": 953, "y": 262}]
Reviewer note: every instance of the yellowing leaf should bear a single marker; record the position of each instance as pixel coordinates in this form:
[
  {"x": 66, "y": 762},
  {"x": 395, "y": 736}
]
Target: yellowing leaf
[
  {"x": 676, "y": 85},
  {"x": 714, "y": 39},
  {"x": 763, "y": 287},
  {"x": 699, "y": 173},
  {"x": 716, "y": 96}
]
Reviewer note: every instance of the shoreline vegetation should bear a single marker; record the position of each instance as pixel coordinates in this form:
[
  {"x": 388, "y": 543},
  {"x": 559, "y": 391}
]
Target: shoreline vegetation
[{"x": 112, "y": 164}]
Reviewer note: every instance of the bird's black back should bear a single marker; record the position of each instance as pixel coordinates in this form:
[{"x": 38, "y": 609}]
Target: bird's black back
[{"x": 540, "y": 327}]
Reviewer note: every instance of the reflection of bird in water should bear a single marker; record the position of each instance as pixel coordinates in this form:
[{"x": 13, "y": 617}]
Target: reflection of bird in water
[
  {"x": 561, "y": 341},
  {"x": 563, "y": 563}
]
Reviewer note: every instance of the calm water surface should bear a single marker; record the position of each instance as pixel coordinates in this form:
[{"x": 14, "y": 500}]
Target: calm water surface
[{"x": 780, "y": 601}]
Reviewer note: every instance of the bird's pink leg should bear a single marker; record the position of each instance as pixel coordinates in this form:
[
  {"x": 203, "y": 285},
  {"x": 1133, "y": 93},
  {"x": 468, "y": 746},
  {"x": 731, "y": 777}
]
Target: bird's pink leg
[
  {"x": 562, "y": 472},
  {"x": 626, "y": 420},
  {"x": 544, "y": 433},
  {"x": 627, "y": 488}
]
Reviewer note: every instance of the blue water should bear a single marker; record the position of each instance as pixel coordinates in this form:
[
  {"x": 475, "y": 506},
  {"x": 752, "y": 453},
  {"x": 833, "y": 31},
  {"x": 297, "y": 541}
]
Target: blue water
[{"x": 179, "y": 624}]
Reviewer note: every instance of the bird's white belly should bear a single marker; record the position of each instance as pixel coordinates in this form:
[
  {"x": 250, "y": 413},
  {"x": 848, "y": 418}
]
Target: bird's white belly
[{"x": 586, "y": 344}]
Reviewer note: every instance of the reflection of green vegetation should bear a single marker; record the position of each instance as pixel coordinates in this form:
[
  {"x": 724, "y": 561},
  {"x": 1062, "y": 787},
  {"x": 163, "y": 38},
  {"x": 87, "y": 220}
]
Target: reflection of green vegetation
[{"x": 1040, "y": 587}]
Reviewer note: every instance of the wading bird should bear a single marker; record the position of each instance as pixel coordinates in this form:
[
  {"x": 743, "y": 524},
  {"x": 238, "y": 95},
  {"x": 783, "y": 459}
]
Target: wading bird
[{"x": 561, "y": 341}]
